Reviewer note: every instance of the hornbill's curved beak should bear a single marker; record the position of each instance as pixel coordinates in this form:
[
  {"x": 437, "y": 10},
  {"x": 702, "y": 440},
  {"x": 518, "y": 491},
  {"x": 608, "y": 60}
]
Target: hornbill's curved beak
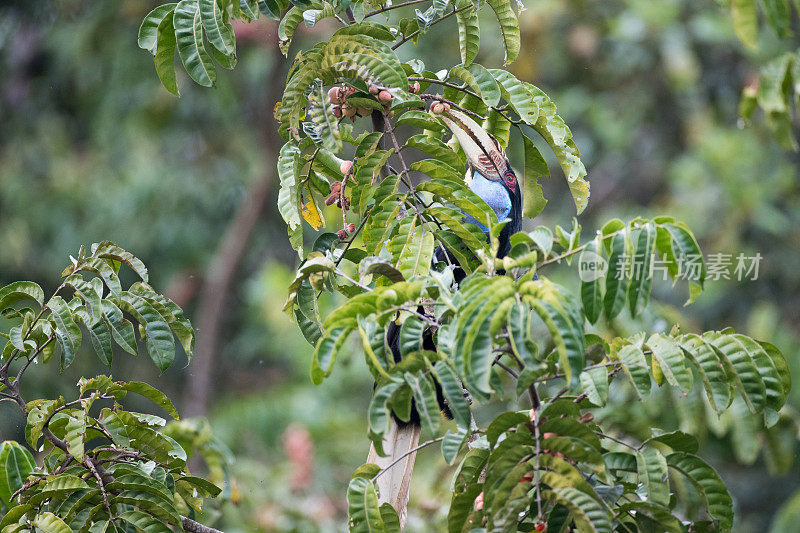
[{"x": 483, "y": 151}]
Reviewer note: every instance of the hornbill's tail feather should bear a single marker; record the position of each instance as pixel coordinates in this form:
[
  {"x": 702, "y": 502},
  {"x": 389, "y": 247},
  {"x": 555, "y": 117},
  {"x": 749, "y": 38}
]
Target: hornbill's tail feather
[{"x": 394, "y": 484}]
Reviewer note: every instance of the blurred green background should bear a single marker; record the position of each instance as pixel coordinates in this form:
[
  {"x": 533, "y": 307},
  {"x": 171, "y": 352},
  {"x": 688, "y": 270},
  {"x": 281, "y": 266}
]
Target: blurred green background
[{"x": 92, "y": 148}]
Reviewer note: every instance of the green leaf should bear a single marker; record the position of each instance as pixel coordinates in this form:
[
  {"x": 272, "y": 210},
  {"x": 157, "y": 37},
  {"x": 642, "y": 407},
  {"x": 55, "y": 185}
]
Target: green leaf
[
  {"x": 635, "y": 367},
  {"x": 452, "y": 443},
  {"x": 773, "y": 383},
  {"x": 152, "y": 394},
  {"x": 519, "y": 332},
  {"x": 560, "y": 314},
  {"x": 76, "y": 433},
  {"x": 67, "y": 331},
  {"x": 270, "y": 8},
  {"x": 712, "y": 371},
  {"x": 595, "y": 383},
  {"x": 535, "y": 168},
  {"x": 164, "y": 58},
  {"x": 517, "y": 95},
  {"x": 58, "y": 486},
  {"x": 426, "y": 403},
  {"x": 558, "y": 136},
  {"x": 436, "y": 149},
  {"x": 745, "y": 21},
  {"x": 248, "y": 9},
  {"x": 652, "y": 517},
  {"x": 641, "y": 269},
  {"x": 617, "y": 277},
  {"x": 708, "y": 483},
  {"x": 327, "y": 349},
  {"x": 16, "y": 464},
  {"x": 461, "y": 506},
  {"x": 390, "y": 519},
  {"x": 109, "y": 250},
  {"x": 363, "y": 513},
  {"x": 191, "y": 48},
  {"x": 149, "y": 29},
  {"x": 587, "y": 513},
  {"x": 320, "y": 111},
  {"x": 289, "y": 195},
  {"x": 469, "y": 31},
  {"x": 158, "y": 506},
  {"x": 121, "y": 329},
  {"x": 160, "y": 344},
  {"x": 652, "y": 470},
  {"x": 688, "y": 253},
  {"x": 415, "y": 258},
  {"x": 677, "y": 440},
  {"x": 671, "y": 361},
  {"x": 503, "y": 423},
  {"x": 453, "y": 393},
  {"x": 378, "y": 414},
  {"x": 421, "y": 120},
  {"x": 479, "y": 80},
  {"x": 591, "y": 285},
  {"x": 741, "y": 367},
  {"x": 218, "y": 30},
  {"x": 20, "y": 291},
  {"x": 50, "y": 523},
  {"x": 509, "y": 26},
  {"x": 90, "y": 297}
]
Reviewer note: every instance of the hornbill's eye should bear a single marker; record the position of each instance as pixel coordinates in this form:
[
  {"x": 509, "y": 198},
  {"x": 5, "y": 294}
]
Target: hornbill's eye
[{"x": 510, "y": 179}]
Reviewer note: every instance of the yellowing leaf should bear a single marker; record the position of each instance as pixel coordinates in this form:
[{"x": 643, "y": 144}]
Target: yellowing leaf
[{"x": 311, "y": 214}]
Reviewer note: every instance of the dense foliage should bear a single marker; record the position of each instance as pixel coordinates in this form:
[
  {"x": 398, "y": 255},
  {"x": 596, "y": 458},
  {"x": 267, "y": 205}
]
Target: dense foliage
[
  {"x": 104, "y": 468},
  {"x": 521, "y": 469}
]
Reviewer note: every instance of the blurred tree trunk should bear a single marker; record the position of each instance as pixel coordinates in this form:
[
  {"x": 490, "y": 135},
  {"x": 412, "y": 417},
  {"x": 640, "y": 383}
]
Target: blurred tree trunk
[{"x": 219, "y": 279}]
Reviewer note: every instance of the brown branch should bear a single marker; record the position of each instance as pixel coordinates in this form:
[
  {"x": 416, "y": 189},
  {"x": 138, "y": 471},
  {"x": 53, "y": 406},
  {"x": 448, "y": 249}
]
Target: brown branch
[
  {"x": 211, "y": 306},
  {"x": 196, "y": 527}
]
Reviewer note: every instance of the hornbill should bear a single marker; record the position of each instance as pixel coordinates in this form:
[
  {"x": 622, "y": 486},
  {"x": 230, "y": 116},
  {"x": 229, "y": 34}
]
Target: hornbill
[{"x": 490, "y": 176}]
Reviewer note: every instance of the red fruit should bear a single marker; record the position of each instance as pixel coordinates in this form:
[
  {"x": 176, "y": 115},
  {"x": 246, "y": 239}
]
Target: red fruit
[
  {"x": 414, "y": 87},
  {"x": 438, "y": 108},
  {"x": 337, "y": 111},
  {"x": 385, "y": 97},
  {"x": 541, "y": 526},
  {"x": 345, "y": 167},
  {"x": 330, "y": 199},
  {"x": 374, "y": 89},
  {"x": 342, "y": 234},
  {"x": 333, "y": 94},
  {"x": 479, "y": 501},
  {"x": 351, "y": 228}
]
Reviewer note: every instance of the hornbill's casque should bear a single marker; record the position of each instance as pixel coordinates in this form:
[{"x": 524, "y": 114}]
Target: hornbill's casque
[{"x": 490, "y": 176}]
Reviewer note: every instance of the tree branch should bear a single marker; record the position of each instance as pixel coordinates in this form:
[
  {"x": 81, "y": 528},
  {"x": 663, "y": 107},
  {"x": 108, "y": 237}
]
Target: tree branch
[
  {"x": 220, "y": 276},
  {"x": 196, "y": 527}
]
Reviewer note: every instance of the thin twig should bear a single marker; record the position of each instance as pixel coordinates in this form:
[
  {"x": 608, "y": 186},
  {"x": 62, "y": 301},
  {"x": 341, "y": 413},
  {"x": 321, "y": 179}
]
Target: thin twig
[
  {"x": 409, "y": 452},
  {"x": 443, "y": 17},
  {"x": 391, "y": 7}
]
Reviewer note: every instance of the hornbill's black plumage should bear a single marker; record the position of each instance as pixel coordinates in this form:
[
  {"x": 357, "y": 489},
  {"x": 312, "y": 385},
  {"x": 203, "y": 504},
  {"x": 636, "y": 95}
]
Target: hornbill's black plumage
[{"x": 491, "y": 177}]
